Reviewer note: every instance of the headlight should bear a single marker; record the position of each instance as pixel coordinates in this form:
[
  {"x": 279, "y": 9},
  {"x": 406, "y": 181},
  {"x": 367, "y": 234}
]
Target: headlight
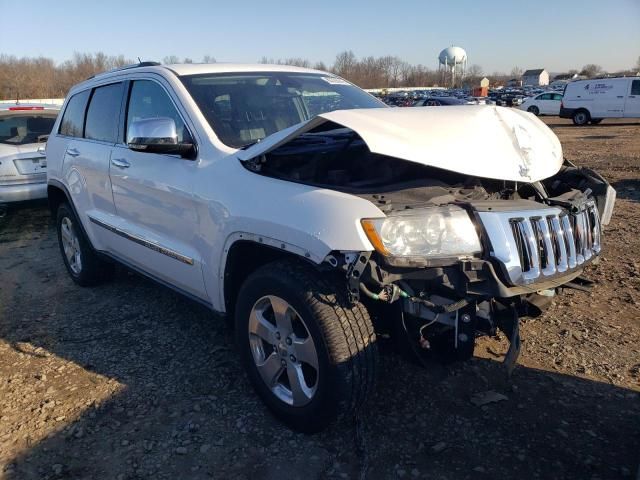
[{"x": 430, "y": 233}]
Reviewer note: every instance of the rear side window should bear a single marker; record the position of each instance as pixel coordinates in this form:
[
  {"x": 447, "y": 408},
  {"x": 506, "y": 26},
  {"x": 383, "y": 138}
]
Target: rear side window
[
  {"x": 635, "y": 87},
  {"x": 73, "y": 118},
  {"x": 104, "y": 113}
]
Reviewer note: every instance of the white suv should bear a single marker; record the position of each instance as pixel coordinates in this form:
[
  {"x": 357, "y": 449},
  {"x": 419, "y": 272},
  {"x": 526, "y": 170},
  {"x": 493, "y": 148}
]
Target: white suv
[{"x": 302, "y": 207}]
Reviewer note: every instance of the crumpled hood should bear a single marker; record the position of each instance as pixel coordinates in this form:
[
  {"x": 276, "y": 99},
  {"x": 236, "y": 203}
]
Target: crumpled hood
[{"x": 479, "y": 140}]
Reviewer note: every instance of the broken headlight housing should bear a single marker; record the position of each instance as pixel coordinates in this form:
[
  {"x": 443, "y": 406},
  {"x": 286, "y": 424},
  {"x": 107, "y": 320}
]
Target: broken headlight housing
[{"x": 423, "y": 236}]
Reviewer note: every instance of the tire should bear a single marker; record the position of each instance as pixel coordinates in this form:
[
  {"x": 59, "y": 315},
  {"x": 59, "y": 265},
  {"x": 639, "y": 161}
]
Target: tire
[
  {"x": 581, "y": 117},
  {"x": 344, "y": 344},
  {"x": 533, "y": 109},
  {"x": 83, "y": 264},
  {"x": 595, "y": 121}
]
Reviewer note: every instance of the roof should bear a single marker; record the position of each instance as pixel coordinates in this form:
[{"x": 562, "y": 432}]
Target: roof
[
  {"x": 199, "y": 68},
  {"x": 181, "y": 69},
  {"x": 529, "y": 73}
]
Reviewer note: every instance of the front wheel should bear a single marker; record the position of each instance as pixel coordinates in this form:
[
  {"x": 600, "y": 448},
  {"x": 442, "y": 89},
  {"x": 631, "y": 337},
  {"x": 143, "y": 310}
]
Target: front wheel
[
  {"x": 309, "y": 353},
  {"x": 581, "y": 117},
  {"x": 533, "y": 109}
]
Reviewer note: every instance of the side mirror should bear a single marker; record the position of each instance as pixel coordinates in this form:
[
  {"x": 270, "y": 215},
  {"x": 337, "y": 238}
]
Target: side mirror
[{"x": 156, "y": 135}]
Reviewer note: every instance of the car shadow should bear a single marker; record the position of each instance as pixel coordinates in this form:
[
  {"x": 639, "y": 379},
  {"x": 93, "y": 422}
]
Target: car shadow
[
  {"x": 628, "y": 189},
  {"x": 163, "y": 396}
]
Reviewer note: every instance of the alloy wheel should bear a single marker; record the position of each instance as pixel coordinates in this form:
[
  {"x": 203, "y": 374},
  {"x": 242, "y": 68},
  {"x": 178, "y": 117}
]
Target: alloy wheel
[
  {"x": 283, "y": 351},
  {"x": 71, "y": 245}
]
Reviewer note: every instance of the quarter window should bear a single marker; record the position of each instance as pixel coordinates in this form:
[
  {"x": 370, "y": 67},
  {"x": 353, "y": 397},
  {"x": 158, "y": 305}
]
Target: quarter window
[
  {"x": 103, "y": 113},
  {"x": 635, "y": 87},
  {"x": 150, "y": 100},
  {"x": 73, "y": 119}
]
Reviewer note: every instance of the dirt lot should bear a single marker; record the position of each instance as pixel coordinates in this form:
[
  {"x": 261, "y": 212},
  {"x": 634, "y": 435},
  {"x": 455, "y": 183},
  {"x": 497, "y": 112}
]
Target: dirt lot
[{"x": 129, "y": 380}]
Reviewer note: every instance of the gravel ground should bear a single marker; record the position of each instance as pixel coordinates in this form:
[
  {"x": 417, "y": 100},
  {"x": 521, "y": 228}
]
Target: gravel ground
[{"x": 130, "y": 381}]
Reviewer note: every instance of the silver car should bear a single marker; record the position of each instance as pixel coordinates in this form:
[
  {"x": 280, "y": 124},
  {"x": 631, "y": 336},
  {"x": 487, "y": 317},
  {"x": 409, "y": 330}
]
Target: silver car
[{"x": 24, "y": 129}]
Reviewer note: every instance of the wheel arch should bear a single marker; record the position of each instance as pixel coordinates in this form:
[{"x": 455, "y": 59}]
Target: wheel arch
[
  {"x": 243, "y": 255},
  {"x": 58, "y": 194}
]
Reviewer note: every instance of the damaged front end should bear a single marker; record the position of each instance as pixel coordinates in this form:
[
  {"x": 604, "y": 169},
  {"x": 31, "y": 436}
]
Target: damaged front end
[{"x": 461, "y": 249}]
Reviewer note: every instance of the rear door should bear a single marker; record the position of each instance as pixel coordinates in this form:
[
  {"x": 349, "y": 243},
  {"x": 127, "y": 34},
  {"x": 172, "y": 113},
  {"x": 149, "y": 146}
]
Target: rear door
[
  {"x": 157, "y": 225},
  {"x": 90, "y": 125},
  {"x": 545, "y": 103},
  {"x": 554, "y": 108},
  {"x": 632, "y": 104}
]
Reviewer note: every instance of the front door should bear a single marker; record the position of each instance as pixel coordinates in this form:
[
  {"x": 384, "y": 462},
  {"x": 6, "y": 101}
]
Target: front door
[{"x": 158, "y": 227}]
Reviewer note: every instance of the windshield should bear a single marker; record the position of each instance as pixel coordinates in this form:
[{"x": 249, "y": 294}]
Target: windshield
[
  {"x": 247, "y": 107},
  {"x": 21, "y": 129}
]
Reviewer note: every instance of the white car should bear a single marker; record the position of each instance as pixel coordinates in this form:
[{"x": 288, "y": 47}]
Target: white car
[
  {"x": 590, "y": 101},
  {"x": 24, "y": 128},
  {"x": 317, "y": 218},
  {"x": 547, "y": 103}
]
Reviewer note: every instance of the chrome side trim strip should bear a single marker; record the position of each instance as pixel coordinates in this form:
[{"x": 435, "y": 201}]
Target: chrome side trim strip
[{"x": 145, "y": 243}]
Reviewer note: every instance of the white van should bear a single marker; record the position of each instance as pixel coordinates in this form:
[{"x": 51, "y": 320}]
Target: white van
[{"x": 592, "y": 100}]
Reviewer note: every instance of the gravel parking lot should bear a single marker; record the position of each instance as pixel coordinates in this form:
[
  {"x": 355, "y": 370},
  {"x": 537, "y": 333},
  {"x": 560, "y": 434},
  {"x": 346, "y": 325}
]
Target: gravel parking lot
[{"x": 130, "y": 381}]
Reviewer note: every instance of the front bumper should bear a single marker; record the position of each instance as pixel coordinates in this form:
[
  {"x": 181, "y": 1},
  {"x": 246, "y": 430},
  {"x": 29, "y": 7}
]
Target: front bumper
[{"x": 22, "y": 192}]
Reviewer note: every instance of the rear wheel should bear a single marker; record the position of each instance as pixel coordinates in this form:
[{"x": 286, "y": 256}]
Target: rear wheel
[
  {"x": 309, "y": 353},
  {"x": 82, "y": 262},
  {"x": 533, "y": 109},
  {"x": 581, "y": 117}
]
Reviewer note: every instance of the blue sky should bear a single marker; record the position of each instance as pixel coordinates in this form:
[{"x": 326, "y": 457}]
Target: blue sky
[{"x": 497, "y": 34}]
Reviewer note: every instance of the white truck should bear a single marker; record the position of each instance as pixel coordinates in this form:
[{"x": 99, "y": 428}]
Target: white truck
[
  {"x": 317, "y": 218},
  {"x": 591, "y": 101}
]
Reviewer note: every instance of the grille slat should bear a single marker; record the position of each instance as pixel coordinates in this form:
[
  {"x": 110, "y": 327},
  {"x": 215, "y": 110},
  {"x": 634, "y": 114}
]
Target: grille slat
[{"x": 556, "y": 243}]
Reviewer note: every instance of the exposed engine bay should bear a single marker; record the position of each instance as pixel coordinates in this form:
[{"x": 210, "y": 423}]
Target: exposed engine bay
[{"x": 457, "y": 256}]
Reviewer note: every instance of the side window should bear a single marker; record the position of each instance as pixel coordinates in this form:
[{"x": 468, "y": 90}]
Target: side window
[
  {"x": 635, "y": 87},
  {"x": 557, "y": 96},
  {"x": 73, "y": 119},
  {"x": 103, "y": 113},
  {"x": 545, "y": 96},
  {"x": 149, "y": 100}
]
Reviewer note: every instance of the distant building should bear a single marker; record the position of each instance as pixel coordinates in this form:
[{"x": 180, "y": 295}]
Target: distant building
[
  {"x": 535, "y": 77},
  {"x": 484, "y": 82},
  {"x": 514, "y": 82}
]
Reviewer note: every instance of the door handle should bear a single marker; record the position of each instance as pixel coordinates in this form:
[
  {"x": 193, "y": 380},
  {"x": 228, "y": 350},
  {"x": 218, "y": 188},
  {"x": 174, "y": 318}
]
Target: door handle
[
  {"x": 620, "y": 96},
  {"x": 73, "y": 152},
  {"x": 120, "y": 163}
]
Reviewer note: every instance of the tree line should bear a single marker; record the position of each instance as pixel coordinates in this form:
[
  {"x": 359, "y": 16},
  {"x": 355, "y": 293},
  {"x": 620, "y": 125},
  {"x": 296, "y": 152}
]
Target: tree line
[{"x": 41, "y": 77}]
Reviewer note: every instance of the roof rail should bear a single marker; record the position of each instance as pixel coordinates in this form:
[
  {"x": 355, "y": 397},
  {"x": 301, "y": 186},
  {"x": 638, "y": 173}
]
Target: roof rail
[{"x": 127, "y": 67}]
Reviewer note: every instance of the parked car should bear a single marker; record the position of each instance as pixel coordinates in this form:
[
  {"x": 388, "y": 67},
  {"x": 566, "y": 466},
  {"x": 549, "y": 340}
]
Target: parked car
[
  {"x": 24, "y": 129},
  {"x": 317, "y": 218},
  {"x": 438, "y": 102},
  {"x": 591, "y": 101},
  {"x": 544, "y": 104}
]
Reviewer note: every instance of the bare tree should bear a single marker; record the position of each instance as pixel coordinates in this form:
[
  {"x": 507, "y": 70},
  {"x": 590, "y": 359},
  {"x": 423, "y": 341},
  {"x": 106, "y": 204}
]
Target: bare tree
[
  {"x": 208, "y": 59},
  {"x": 516, "y": 72},
  {"x": 591, "y": 70},
  {"x": 171, "y": 59}
]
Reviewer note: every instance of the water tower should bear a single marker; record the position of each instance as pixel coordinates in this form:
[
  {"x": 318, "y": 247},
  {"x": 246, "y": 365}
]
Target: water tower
[{"x": 452, "y": 65}]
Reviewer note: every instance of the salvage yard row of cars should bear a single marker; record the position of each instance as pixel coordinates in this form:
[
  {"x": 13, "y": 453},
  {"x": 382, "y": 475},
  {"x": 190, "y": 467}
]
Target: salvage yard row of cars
[
  {"x": 584, "y": 101},
  {"x": 316, "y": 218}
]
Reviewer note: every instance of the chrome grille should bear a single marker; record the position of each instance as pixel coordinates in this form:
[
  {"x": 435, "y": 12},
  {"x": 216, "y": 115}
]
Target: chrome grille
[{"x": 540, "y": 243}]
